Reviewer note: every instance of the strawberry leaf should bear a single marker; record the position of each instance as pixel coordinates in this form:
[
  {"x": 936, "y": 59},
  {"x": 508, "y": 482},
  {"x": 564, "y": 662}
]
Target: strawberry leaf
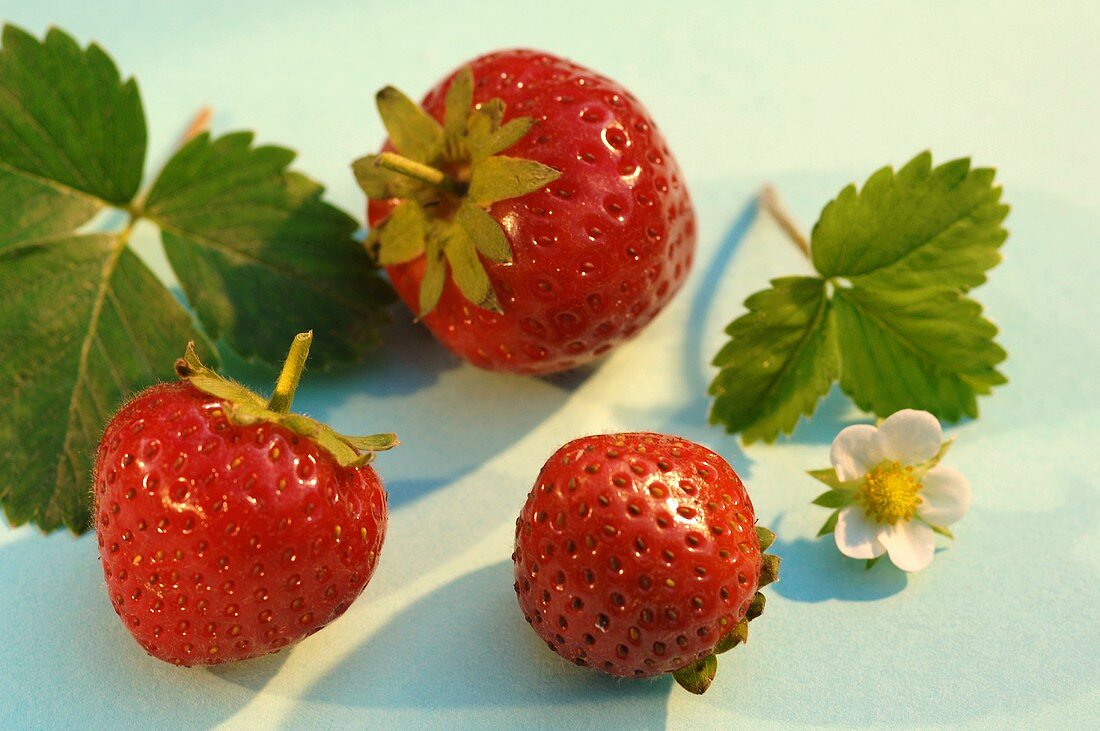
[
  {"x": 252, "y": 242},
  {"x": 73, "y": 350},
  {"x": 917, "y": 228},
  {"x": 84, "y": 324},
  {"x": 67, "y": 120},
  {"x": 890, "y": 316},
  {"x": 928, "y": 349},
  {"x": 780, "y": 360}
]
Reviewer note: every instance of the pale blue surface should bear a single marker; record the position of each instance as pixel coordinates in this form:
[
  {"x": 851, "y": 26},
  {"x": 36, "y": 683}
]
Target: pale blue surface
[{"x": 1001, "y": 631}]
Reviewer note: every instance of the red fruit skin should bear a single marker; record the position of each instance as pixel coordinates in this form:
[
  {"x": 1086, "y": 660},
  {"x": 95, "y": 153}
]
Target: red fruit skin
[
  {"x": 597, "y": 254},
  {"x": 635, "y": 553},
  {"x": 222, "y": 542}
]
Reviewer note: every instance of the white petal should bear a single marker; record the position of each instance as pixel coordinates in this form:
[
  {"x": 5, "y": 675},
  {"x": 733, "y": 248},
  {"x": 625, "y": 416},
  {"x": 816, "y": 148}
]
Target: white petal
[
  {"x": 856, "y": 450},
  {"x": 945, "y": 496},
  {"x": 857, "y": 537},
  {"x": 910, "y": 437},
  {"x": 910, "y": 544}
]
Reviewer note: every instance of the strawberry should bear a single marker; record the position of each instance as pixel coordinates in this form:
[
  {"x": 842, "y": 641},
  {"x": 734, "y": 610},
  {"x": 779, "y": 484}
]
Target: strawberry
[
  {"x": 543, "y": 258},
  {"x": 637, "y": 554},
  {"x": 229, "y": 528}
]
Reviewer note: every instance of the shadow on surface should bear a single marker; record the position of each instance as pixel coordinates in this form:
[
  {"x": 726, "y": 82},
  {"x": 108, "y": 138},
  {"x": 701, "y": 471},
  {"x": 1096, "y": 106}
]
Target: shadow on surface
[
  {"x": 814, "y": 571},
  {"x": 66, "y": 653},
  {"x": 695, "y": 361},
  {"x": 466, "y": 645}
]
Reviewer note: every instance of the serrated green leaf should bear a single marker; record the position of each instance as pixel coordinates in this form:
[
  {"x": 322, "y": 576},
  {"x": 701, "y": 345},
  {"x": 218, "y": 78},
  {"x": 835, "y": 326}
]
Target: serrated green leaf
[
  {"x": 920, "y": 227},
  {"x": 69, "y": 122},
  {"x": 499, "y": 178},
  {"x": 380, "y": 183},
  {"x": 33, "y": 209},
  {"x": 830, "y": 524},
  {"x": 261, "y": 256},
  {"x": 435, "y": 272},
  {"x": 927, "y": 349},
  {"x": 834, "y": 499},
  {"x": 467, "y": 270},
  {"x": 484, "y": 231},
  {"x": 91, "y": 326},
  {"x": 413, "y": 131},
  {"x": 764, "y": 537},
  {"x": 780, "y": 360},
  {"x": 402, "y": 236}
]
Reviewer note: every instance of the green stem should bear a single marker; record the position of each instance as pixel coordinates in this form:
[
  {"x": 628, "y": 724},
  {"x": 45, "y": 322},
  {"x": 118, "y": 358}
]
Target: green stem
[
  {"x": 418, "y": 171},
  {"x": 292, "y": 373}
]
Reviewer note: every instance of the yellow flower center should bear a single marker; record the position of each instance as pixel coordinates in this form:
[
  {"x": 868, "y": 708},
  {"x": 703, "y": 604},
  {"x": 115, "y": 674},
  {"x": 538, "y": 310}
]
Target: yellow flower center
[{"x": 890, "y": 493}]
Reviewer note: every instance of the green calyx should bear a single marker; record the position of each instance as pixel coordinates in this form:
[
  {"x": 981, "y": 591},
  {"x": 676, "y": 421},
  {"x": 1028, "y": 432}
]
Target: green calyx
[
  {"x": 883, "y": 493},
  {"x": 446, "y": 177},
  {"x": 697, "y": 676},
  {"x": 245, "y": 407}
]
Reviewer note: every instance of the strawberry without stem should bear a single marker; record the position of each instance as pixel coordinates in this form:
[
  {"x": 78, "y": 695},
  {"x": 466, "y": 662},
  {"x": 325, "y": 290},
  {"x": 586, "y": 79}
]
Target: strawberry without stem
[
  {"x": 227, "y": 527},
  {"x": 637, "y": 554},
  {"x": 535, "y": 217}
]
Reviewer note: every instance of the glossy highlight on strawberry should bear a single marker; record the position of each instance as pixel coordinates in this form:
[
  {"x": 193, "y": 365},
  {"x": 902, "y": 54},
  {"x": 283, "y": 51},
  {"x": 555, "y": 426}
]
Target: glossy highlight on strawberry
[
  {"x": 637, "y": 554},
  {"x": 595, "y": 254}
]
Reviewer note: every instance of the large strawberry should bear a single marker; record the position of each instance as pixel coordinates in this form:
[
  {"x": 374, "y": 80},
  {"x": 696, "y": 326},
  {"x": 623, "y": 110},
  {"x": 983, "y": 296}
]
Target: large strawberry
[
  {"x": 229, "y": 528},
  {"x": 542, "y": 258},
  {"x": 638, "y": 554}
]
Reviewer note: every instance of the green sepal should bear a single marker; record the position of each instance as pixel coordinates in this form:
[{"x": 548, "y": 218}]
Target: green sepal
[
  {"x": 765, "y": 537},
  {"x": 469, "y": 275},
  {"x": 941, "y": 530},
  {"x": 827, "y": 476},
  {"x": 485, "y": 233},
  {"x": 834, "y": 498},
  {"x": 456, "y": 108},
  {"x": 380, "y": 183},
  {"x": 412, "y": 130},
  {"x": 738, "y": 635},
  {"x": 756, "y": 608},
  {"x": 697, "y": 677},
  {"x": 245, "y": 407},
  {"x": 919, "y": 471},
  {"x": 508, "y": 135},
  {"x": 450, "y": 172},
  {"x": 401, "y": 237},
  {"x": 435, "y": 272},
  {"x": 769, "y": 569},
  {"x": 500, "y": 178},
  {"x": 871, "y": 562},
  {"x": 830, "y": 524}
]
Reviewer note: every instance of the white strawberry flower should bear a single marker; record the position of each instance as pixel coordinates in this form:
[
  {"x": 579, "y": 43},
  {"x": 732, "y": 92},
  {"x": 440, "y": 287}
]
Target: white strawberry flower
[{"x": 890, "y": 492}]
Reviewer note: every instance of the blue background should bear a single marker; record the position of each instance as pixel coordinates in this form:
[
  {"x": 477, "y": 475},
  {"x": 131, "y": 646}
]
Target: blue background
[{"x": 1001, "y": 631}]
